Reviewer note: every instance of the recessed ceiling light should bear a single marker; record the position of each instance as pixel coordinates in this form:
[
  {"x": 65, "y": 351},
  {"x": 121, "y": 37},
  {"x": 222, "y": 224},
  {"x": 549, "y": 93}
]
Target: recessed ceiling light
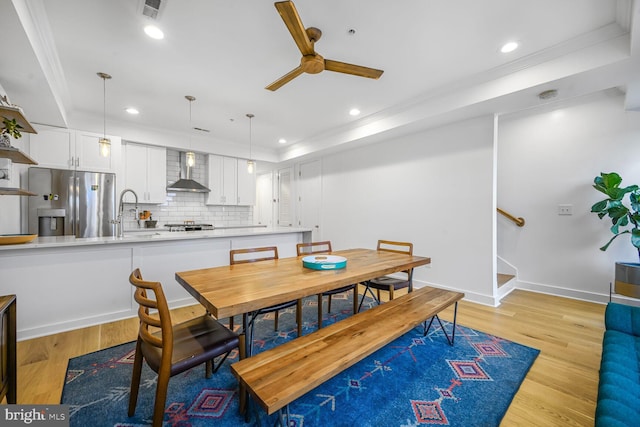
[
  {"x": 154, "y": 32},
  {"x": 509, "y": 47},
  {"x": 282, "y": 141},
  {"x": 354, "y": 112},
  {"x": 132, "y": 110}
]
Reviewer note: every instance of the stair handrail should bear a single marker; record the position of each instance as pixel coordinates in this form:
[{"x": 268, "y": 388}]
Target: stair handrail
[{"x": 519, "y": 221}]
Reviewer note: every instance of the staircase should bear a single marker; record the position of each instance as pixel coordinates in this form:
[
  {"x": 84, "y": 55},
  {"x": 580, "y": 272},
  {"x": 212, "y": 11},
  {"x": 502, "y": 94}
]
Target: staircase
[{"x": 503, "y": 279}]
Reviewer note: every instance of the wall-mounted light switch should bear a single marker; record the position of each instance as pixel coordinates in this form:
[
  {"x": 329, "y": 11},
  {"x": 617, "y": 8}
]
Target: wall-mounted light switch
[{"x": 565, "y": 209}]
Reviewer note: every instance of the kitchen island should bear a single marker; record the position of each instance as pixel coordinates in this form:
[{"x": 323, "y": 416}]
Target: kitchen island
[{"x": 65, "y": 283}]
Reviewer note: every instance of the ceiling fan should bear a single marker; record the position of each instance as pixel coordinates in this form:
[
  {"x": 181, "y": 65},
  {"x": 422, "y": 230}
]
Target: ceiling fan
[{"x": 311, "y": 62}]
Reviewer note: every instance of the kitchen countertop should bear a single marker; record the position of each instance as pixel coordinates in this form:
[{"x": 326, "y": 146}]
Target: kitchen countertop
[{"x": 148, "y": 235}]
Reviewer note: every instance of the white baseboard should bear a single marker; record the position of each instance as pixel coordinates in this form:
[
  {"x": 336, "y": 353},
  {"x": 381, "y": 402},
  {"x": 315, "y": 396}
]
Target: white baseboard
[
  {"x": 563, "y": 292},
  {"x": 85, "y": 322},
  {"x": 489, "y": 300}
]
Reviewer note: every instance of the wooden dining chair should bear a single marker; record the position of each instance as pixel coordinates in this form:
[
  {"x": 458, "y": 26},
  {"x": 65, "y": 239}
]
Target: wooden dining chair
[
  {"x": 172, "y": 349},
  {"x": 390, "y": 284},
  {"x": 325, "y": 248},
  {"x": 243, "y": 256}
]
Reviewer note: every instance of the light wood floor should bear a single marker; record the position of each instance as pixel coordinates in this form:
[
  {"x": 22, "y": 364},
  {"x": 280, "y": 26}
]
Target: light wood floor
[{"x": 560, "y": 389}]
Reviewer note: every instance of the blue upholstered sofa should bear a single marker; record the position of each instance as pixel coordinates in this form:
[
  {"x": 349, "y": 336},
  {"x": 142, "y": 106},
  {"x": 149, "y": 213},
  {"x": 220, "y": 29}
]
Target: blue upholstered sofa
[{"x": 619, "y": 385}]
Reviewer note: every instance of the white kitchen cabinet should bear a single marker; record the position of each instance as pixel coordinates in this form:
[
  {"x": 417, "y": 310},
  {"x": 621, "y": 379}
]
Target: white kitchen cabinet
[
  {"x": 230, "y": 182},
  {"x": 145, "y": 172},
  {"x": 88, "y": 155},
  {"x": 71, "y": 149},
  {"x": 246, "y": 184},
  {"x": 53, "y": 148},
  {"x": 222, "y": 180}
]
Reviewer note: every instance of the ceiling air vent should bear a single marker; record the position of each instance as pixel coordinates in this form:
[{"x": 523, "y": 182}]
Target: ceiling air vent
[{"x": 151, "y": 8}]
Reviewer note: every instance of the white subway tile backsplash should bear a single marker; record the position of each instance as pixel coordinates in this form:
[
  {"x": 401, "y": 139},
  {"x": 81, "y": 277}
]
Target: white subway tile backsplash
[{"x": 191, "y": 206}]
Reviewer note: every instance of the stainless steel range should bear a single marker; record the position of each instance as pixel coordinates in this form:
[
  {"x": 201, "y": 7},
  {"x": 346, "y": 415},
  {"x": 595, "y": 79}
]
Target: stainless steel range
[{"x": 189, "y": 226}]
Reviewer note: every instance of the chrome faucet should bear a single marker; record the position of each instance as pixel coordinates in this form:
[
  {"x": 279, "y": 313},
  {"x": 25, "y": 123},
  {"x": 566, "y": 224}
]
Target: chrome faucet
[{"x": 118, "y": 221}]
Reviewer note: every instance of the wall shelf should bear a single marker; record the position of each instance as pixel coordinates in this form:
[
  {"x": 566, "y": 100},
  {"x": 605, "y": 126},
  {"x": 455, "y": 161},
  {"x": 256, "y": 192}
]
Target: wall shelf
[
  {"x": 7, "y": 191},
  {"x": 16, "y": 113},
  {"x": 12, "y": 153},
  {"x": 16, "y": 156}
]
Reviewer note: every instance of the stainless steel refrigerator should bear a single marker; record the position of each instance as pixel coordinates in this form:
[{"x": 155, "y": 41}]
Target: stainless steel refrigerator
[{"x": 78, "y": 203}]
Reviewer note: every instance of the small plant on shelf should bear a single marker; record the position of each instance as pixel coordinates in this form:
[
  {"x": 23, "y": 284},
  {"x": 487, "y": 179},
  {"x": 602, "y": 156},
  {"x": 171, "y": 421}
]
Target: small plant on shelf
[{"x": 9, "y": 128}]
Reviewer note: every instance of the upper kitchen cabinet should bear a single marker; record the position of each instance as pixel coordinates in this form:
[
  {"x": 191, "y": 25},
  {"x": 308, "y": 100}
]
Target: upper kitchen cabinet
[
  {"x": 230, "y": 182},
  {"x": 223, "y": 178},
  {"x": 246, "y": 185},
  {"x": 145, "y": 172},
  {"x": 70, "y": 149}
]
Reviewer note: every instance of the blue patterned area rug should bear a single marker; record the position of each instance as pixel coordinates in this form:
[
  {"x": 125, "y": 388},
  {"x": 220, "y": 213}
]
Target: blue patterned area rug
[{"x": 414, "y": 381}]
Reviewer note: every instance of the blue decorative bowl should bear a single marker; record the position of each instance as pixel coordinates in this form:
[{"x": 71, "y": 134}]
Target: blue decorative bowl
[{"x": 324, "y": 262}]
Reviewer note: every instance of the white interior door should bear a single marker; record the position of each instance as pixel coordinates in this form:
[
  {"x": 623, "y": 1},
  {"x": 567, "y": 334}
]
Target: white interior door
[
  {"x": 285, "y": 193},
  {"x": 310, "y": 197},
  {"x": 263, "y": 211}
]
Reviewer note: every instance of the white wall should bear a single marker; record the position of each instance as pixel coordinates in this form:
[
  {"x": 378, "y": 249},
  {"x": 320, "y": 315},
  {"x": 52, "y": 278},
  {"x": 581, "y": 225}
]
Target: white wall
[
  {"x": 434, "y": 189},
  {"x": 549, "y": 158}
]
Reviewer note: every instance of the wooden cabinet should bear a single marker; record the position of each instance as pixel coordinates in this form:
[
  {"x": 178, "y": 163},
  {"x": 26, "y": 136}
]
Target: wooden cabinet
[
  {"x": 230, "y": 182},
  {"x": 8, "y": 348},
  {"x": 222, "y": 180},
  {"x": 146, "y": 172},
  {"x": 70, "y": 149}
]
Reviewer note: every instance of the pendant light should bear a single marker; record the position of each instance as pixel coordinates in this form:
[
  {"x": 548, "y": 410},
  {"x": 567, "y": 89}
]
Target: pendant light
[
  {"x": 104, "y": 142},
  {"x": 251, "y": 165},
  {"x": 191, "y": 156}
]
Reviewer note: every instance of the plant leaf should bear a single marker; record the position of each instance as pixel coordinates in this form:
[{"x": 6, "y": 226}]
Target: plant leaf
[
  {"x": 635, "y": 237},
  {"x": 604, "y": 248},
  {"x": 611, "y": 180},
  {"x": 600, "y": 206}
]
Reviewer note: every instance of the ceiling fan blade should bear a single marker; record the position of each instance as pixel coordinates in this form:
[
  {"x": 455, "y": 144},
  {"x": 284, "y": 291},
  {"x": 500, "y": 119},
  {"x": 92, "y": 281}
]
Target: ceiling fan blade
[
  {"x": 343, "y": 67},
  {"x": 285, "y": 79},
  {"x": 289, "y": 14}
]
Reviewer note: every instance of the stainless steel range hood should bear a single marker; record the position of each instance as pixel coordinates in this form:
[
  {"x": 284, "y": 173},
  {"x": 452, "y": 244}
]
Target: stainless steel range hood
[{"x": 185, "y": 183}]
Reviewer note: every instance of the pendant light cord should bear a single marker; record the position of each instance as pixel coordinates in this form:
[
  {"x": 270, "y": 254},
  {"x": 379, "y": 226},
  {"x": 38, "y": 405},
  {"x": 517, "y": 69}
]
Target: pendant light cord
[
  {"x": 104, "y": 77},
  {"x": 104, "y": 108},
  {"x": 250, "y": 135},
  {"x": 190, "y": 99},
  {"x": 104, "y": 143}
]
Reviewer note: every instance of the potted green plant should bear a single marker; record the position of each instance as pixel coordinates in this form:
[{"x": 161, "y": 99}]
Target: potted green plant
[
  {"x": 622, "y": 207},
  {"x": 9, "y": 128}
]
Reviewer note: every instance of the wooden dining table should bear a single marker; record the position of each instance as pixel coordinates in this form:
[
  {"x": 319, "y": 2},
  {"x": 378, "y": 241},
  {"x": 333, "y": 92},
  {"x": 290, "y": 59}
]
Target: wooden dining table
[{"x": 245, "y": 288}]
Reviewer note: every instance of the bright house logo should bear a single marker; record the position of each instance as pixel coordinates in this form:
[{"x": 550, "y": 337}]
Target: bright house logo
[{"x": 37, "y": 415}]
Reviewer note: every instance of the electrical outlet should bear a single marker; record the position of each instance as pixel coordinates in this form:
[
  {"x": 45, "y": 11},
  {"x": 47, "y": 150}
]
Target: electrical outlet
[{"x": 565, "y": 209}]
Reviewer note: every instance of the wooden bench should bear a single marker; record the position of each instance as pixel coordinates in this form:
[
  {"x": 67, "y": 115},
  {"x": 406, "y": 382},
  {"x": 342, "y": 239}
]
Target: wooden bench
[{"x": 282, "y": 374}]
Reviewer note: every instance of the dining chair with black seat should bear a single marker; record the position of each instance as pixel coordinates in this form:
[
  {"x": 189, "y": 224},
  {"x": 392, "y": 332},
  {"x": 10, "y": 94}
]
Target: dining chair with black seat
[
  {"x": 172, "y": 349},
  {"x": 243, "y": 256},
  {"x": 324, "y": 247},
  {"x": 390, "y": 284}
]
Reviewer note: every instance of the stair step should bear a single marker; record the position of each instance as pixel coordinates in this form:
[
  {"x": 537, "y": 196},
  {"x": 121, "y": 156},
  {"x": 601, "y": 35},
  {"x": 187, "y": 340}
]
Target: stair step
[{"x": 504, "y": 278}]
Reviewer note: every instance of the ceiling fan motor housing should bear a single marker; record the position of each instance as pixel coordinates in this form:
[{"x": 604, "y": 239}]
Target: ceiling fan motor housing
[{"x": 312, "y": 64}]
